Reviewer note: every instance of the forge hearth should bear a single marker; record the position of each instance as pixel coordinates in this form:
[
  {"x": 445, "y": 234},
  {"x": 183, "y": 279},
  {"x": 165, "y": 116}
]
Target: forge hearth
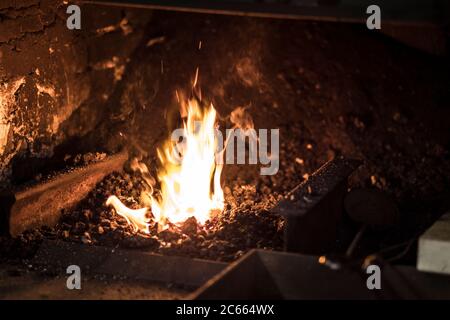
[
  {"x": 86, "y": 116},
  {"x": 244, "y": 224},
  {"x": 250, "y": 219}
]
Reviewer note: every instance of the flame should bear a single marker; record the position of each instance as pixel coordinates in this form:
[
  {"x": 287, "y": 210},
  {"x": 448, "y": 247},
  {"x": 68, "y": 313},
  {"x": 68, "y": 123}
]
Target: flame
[
  {"x": 189, "y": 174},
  {"x": 186, "y": 182},
  {"x": 135, "y": 217}
]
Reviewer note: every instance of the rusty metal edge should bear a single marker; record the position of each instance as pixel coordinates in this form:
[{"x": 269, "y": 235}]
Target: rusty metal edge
[
  {"x": 57, "y": 255},
  {"x": 336, "y": 13},
  {"x": 312, "y": 191},
  {"x": 246, "y": 258},
  {"x": 313, "y": 209},
  {"x": 27, "y": 209}
]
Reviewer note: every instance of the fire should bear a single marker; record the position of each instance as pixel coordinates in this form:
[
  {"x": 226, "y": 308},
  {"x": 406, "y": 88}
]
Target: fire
[
  {"x": 186, "y": 181},
  {"x": 135, "y": 217},
  {"x": 189, "y": 174}
]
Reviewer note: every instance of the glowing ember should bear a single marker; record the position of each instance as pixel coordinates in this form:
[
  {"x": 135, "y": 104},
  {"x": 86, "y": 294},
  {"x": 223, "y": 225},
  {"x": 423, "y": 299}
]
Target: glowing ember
[{"x": 189, "y": 175}]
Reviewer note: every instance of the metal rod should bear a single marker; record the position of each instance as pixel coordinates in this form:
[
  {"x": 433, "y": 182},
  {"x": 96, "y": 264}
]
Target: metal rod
[
  {"x": 42, "y": 204},
  {"x": 393, "y": 12}
]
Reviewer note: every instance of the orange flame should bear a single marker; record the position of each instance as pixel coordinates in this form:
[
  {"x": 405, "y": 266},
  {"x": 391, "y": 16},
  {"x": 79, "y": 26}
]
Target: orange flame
[
  {"x": 135, "y": 217},
  {"x": 186, "y": 186},
  {"x": 189, "y": 175}
]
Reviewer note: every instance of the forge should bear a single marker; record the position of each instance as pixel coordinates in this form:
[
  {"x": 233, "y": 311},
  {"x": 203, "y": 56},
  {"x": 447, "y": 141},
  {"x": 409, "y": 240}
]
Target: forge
[{"x": 182, "y": 150}]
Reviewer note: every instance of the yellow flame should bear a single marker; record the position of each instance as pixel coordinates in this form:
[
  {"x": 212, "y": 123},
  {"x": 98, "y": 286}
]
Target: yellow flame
[
  {"x": 135, "y": 217},
  {"x": 186, "y": 184},
  {"x": 189, "y": 176}
]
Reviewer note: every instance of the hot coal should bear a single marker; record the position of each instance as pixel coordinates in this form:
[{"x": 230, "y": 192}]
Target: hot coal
[{"x": 245, "y": 223}]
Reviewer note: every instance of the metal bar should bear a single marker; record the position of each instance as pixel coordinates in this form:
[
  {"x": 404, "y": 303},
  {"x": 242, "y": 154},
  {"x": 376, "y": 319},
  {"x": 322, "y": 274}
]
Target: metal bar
[
  {"x": 134, "y": 264},
  {"x": 314, "y": 208},
  {"x": 43, "y": 203},
  {"x": 393, "y": 12},
  {"x": 272, "y": 275}
]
